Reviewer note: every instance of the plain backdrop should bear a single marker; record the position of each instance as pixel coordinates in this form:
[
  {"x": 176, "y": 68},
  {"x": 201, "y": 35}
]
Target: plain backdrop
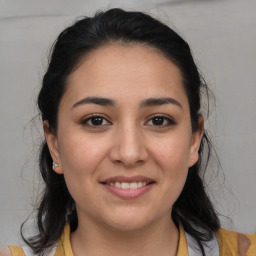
[{"x": 222, "y": 36}]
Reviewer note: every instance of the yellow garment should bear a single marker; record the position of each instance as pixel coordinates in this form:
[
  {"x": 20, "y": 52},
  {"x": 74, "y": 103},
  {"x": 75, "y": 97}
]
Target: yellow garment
[
  {"x": 230, "y": 244},
  {"x": 237, "y": 244},
  {"x": 16, "y": 250}
]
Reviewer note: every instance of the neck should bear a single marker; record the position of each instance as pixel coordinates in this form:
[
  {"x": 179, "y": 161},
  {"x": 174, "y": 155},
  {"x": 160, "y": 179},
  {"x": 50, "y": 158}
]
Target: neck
[{"x": 160, "y": 238}]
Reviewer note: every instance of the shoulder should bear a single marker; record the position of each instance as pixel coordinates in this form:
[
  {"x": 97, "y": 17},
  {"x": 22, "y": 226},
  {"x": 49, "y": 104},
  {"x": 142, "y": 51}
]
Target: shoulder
[
  {"x": 231, "y": 243},
  {"x": 5, "y": 251}
]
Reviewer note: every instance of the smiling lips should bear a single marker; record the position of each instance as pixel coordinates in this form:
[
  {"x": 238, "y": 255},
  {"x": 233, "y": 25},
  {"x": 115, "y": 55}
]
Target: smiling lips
[{"x": 128, "y": 187}]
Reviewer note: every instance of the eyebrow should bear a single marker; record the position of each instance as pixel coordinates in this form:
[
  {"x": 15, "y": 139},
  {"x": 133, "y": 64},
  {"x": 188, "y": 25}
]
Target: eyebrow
[
  {"x": 111, "y": 103},
  {"x": 159, "y": 101},
  {"x": 95, "y": 100}
]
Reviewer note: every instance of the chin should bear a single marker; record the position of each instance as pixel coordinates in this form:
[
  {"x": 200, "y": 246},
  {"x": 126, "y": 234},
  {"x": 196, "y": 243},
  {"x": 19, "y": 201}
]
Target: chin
[
  {"x": 126, "y": 222},
  {"x": 127, "y": 226}
]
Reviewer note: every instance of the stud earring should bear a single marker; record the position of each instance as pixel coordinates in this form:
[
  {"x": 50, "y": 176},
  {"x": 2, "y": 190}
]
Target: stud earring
[{"x": 54, "y": 165}]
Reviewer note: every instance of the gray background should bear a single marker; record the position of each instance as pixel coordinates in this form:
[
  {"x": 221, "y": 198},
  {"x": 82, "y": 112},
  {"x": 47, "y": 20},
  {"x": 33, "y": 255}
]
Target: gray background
[{"x": 222, "y": 34}]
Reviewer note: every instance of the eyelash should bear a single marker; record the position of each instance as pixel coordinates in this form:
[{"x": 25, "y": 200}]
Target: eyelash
[
  {"x": 89, "y": 118},
  {"x": 165, "y": 119}
]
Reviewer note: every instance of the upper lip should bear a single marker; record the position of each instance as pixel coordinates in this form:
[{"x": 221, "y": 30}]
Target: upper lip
[{"x": 136, "y": 178}]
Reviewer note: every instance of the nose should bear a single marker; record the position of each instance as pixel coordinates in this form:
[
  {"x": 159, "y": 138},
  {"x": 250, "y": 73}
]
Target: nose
[{"x": 129, "y": 148}]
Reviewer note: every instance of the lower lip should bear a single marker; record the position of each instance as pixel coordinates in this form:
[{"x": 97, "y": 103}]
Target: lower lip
[{"x": 128, "y": 193}]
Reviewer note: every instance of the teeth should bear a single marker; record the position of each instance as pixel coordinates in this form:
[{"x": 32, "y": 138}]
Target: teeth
[
  {"x": 117, "y": 184},
  {"x": 133, "y": 185},
  {"x": 127, "y": 185},
  {"x": 139, "y": 184}
]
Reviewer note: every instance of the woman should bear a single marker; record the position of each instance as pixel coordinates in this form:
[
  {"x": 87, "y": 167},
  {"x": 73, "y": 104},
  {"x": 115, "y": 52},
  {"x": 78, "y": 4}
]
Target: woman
[{"x": 124, "y": 143}]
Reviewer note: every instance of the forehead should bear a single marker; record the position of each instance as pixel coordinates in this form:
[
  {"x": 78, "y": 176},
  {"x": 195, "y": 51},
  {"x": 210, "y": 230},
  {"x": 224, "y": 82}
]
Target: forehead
[{"x": 126, "y": 71}]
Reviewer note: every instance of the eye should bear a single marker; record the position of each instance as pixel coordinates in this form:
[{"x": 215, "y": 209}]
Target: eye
[
  {"x": 95, "y": 120},
  {"x": 160, "y": 121}
]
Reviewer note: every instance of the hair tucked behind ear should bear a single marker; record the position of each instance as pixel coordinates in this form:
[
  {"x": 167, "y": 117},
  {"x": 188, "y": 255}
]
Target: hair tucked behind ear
[{"x": 193, "y": 208}]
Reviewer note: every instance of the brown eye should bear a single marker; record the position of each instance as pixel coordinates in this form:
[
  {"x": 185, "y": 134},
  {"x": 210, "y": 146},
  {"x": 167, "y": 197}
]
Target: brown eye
[
  {"x": 160, "y": 121},
  {"x": 95, "y": 121}
]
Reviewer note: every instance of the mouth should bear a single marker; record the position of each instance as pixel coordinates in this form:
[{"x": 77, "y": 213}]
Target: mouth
[{"x": 128, "y": 187}]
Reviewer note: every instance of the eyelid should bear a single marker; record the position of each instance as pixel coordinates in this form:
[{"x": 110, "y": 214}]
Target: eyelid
[
  {"x": 88, "y": 117},
  {"x": 170, "y": 120}
]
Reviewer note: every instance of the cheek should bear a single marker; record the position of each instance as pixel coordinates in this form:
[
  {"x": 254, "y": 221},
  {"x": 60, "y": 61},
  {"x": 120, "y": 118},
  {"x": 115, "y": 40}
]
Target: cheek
[
  {"x": 172, "y": 156},
  {"x": 80, "y": 159},
  {"x": 172, "y": 153},
  {"x": 81, "y": 155}
]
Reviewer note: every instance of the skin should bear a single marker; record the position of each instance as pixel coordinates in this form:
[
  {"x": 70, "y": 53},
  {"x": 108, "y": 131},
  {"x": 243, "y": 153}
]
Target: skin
[
  {"x": 126, "y": 142},
  {"x": 5, "y": 251}
]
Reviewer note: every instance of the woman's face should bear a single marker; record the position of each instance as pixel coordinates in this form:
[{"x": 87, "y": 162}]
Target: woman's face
[{"x": 124, "y": 141}]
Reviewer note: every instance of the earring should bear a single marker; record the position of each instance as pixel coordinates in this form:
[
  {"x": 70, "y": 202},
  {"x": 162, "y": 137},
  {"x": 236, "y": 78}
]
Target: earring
[{"x": 54, "y": 165}]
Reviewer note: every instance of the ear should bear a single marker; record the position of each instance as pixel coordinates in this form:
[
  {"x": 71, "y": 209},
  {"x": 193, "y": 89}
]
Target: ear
[
  {"x": 52, "y": 142},
  {"x": 196, "y": 141}
]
